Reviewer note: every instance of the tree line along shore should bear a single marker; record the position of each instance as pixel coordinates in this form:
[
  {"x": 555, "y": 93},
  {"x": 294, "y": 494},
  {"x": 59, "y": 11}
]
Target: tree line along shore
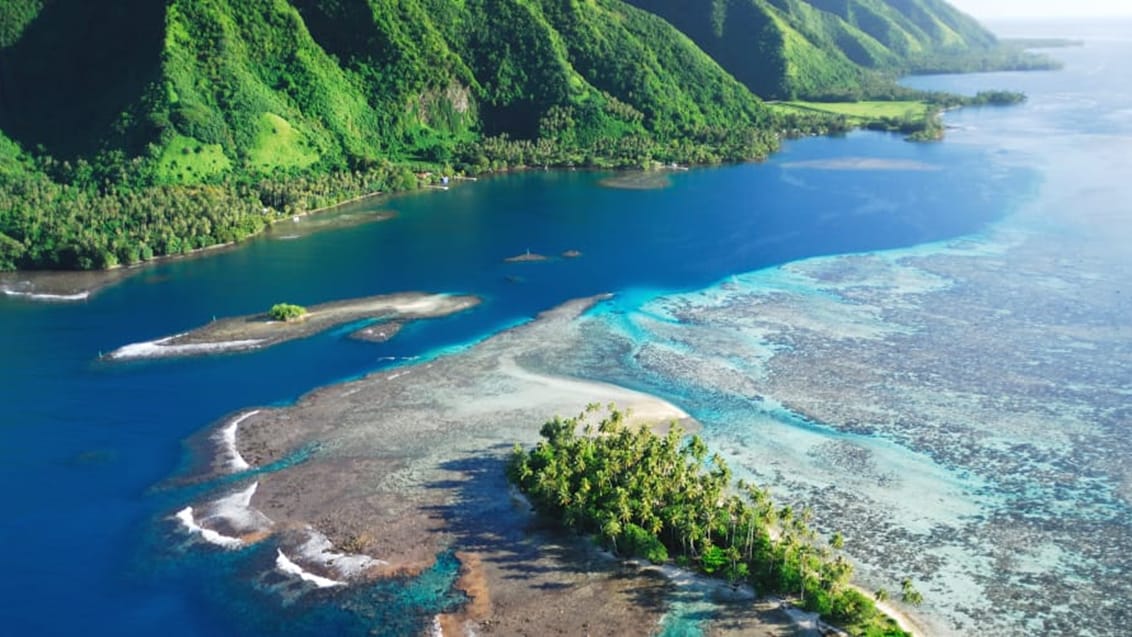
[
  {"x": 113, "y": 212},
  {"x": 159, "y": 128},
  {"x": 664, "y": 498}
]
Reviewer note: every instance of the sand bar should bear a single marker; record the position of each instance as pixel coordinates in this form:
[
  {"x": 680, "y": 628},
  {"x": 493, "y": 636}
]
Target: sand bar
[
  {"x": 257, "y": 331},
  {"x": 527, "y": 257}
]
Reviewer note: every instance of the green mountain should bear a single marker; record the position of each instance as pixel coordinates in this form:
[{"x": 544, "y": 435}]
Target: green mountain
[
  {"x": 805, "y": 48},
  {"x": 262, "y": 84},
  {"x": 235, "y": 112}
]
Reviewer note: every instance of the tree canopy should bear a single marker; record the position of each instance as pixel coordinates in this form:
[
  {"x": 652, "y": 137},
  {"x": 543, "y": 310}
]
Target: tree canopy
[
  {"x": 657, "y": 496},
  {"x": 287, "y": 312}
]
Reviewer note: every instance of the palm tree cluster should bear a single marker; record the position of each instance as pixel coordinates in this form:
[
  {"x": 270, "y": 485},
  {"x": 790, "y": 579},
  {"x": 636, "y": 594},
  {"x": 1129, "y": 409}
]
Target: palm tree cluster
[
  {"x": 55, "y": 215},
  {"x": 653, "y": 496}
]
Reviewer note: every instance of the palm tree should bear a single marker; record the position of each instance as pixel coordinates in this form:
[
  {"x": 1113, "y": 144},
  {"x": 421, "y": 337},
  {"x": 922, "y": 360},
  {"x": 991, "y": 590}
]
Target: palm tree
[
  {"x": 611, "y": 528},
  {"x": 909, "y": 594}
]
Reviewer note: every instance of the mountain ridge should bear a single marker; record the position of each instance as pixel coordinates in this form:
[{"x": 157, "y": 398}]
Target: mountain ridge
[{"x": 288, "y": 105}]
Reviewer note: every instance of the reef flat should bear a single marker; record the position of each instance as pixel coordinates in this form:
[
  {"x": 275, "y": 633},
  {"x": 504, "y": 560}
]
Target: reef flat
[
  {"x": 59, "y": 286},
  {"x": 959, "y": 411},
  {"x": 409, "y": 463}
]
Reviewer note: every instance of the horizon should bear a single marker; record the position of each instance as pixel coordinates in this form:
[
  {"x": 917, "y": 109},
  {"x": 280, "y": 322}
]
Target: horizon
[{"x": 1045, "y": 9}]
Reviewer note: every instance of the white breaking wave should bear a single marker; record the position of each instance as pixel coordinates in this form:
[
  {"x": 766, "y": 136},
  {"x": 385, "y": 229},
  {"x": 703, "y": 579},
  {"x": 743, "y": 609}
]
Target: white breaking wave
[
  {"x": 233, "y": 510},
  {"x": 227, "y": 437},
  {"x": 437, "y": 629},
  {"x": 287, "y": 566},
  {"x": 319, "y": 550},
  {"x": 185, "y": 515},
  {"x": 36, "y": 296},
  {"x": 159, "y": 348}
]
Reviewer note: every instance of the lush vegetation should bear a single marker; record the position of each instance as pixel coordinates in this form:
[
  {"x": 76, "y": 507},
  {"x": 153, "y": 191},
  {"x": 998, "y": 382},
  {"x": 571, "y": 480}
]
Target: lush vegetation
[
  {"x": 286, "y": 312},
  {"x": 147, "y": 128},
  {"x": 864, "y": 111},
  {"x": 114, "y": 211},
  {"x": 658, "y": 496},
  {"x": 1005, "y": 57},
  {"x": 918, "y": 119},
  {"x": 838, "y": 50}
]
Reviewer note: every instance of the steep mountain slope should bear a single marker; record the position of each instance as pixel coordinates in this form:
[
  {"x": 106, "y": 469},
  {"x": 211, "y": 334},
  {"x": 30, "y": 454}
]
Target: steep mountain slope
[
  {"x": 72, "y": 72},
  {"x": 139, "y": 128},
  {"x": 151, "y": 128},
  {"x": 265, "y": 84},
  {"x": 791, "y": 48}
]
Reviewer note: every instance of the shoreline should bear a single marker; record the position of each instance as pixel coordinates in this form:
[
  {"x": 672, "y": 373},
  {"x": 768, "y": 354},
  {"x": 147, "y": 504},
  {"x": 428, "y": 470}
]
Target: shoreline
[
  {"x": 53, "y": 285},
  {"x": 67, "y": 286}
]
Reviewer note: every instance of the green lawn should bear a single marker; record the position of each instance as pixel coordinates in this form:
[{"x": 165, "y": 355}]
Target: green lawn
[
  {"x": 185, "y": 160},
  {"x": 864, "y": 111},
  {"x": 277, "y": 143}
]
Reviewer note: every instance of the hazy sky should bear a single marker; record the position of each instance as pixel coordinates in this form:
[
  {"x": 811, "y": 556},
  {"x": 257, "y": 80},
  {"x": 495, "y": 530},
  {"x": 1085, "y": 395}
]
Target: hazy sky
[{"x": 989, "y": 9}]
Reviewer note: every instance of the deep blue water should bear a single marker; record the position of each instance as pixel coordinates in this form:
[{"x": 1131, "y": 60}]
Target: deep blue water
[{"x": 87, "y": 448}]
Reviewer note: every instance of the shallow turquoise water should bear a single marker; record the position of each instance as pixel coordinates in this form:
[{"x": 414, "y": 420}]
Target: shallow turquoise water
[{"x": 83, "y": 443}]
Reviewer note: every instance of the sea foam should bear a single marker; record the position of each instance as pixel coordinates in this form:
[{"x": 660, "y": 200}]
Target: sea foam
[
  {"x": 233, "y": 511},
  {"x": 319, "y": 550},
  {"x": 36, "y": 296},
  {"x": 287, "y": 566},
  {"x": 226, "y": 437},
  {"x": 160, "y": 348},
  {"x": 185, "y": 515}
]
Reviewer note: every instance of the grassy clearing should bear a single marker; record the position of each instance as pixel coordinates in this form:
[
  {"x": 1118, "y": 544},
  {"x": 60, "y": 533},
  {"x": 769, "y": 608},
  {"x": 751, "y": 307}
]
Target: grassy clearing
[
  {"x": 186, "y": 160},
  {"x": 862, "y": 111},
  {"x": 278, "y": 144}
]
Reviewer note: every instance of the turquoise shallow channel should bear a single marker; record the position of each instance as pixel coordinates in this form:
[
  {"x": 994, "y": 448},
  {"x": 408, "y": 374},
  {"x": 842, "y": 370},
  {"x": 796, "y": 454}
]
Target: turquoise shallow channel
[{"x": 929, "y": 343}]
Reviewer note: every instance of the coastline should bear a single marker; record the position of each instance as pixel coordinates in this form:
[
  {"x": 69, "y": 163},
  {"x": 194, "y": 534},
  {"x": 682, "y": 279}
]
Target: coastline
[
  {"x": 68, "y": 286},
  {"x": 61, "y": 286},
  {"x": 80, "y": 285}
]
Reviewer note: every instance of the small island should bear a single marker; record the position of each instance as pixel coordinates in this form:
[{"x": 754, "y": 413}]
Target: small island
[
  {"x": 378, "y": 332},
  {"x": 285, "y": 322},
  {"x": 527, "y": 257},
  {"x": 652, "y": 496}
]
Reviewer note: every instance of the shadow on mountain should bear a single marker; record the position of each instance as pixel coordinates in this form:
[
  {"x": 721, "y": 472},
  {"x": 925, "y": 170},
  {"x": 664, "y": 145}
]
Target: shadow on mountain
[{"x": 77, "y": 68}]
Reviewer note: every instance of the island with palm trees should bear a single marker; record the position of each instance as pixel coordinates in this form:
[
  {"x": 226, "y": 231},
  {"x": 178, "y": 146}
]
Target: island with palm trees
[{"x": 651, "y": 495}]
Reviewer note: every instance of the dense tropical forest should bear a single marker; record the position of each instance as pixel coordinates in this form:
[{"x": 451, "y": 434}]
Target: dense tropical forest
[
  {"x": 659, "y": 497},
  {"x": 140, "y": 128}
]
